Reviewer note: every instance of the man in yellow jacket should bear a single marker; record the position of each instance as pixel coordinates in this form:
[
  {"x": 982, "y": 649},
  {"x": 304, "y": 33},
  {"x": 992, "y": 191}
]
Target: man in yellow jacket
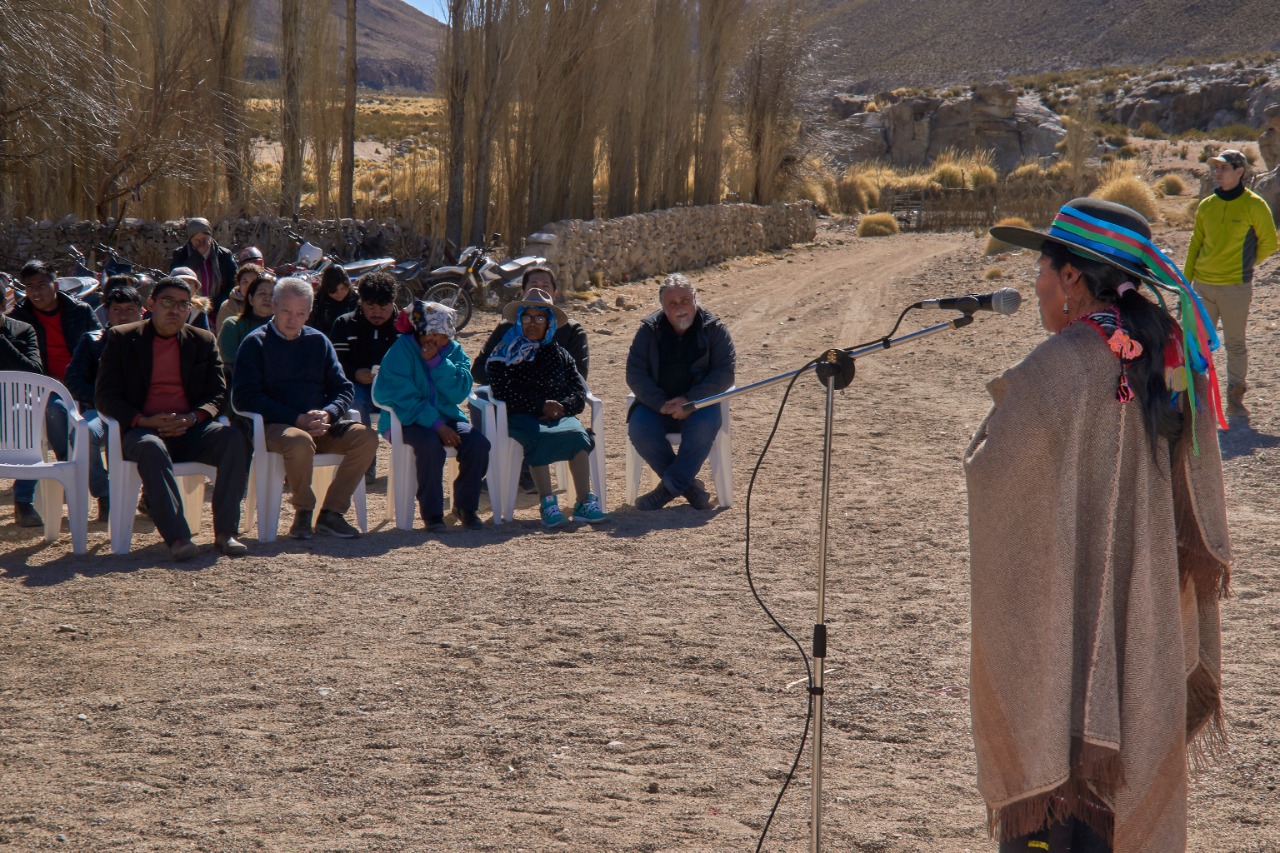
[{"x": 1234, "y": 232}]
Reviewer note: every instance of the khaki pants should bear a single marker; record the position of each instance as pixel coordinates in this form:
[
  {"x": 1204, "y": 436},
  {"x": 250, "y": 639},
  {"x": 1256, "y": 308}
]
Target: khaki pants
[
  {"x": 1230, "y": 302},
  {"x": 357, "y": 446}
]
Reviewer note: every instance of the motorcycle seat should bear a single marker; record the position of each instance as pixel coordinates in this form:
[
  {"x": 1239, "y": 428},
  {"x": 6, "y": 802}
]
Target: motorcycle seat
[
  {"x": 509, "y": 269},
  {"x": 357, "y": 268}
]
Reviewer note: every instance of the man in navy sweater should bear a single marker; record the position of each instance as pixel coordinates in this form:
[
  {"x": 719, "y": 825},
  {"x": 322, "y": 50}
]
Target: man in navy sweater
[{"x": 289, "y": 373}]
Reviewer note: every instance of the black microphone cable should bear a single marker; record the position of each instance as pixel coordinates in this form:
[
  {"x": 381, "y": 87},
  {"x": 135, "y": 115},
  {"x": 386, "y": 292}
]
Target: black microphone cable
[{"x": 804, "y": 656}]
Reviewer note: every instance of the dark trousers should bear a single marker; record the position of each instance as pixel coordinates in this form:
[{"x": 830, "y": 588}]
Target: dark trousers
[
  {"x": 429, "y": 456},
  {"x": 1070, "y": 837},
  {"x": 223, "y": 447}
]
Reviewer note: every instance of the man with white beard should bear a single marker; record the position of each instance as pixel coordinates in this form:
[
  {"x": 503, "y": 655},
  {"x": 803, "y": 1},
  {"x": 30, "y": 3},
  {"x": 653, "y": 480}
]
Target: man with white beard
[{"x": 681, "y": 352}]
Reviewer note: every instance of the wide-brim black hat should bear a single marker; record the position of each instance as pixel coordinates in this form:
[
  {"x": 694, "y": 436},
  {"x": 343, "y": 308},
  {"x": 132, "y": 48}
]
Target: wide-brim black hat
[{"x": 1106, "y": 213}]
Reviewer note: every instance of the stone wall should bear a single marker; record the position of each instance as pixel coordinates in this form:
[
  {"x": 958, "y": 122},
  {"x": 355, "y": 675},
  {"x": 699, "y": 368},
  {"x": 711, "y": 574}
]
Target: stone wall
[
  {"x": 646, "y": 244},
  {"x": 151, "y": 244}
]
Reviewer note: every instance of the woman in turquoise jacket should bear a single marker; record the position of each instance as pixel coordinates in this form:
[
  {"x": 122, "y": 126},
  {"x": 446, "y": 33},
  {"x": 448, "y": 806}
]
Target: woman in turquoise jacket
[{"x": 423, "y": 378}]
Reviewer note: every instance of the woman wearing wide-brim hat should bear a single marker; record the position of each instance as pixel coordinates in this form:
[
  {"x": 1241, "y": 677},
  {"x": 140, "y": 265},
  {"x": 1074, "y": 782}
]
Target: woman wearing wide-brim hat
[
  {"x": 539, "y": 381},
  {"x": 1099, "y": 549}
]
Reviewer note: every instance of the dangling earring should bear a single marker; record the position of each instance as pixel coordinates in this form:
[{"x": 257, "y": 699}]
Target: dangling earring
[{"x": 1066, "y": 306}]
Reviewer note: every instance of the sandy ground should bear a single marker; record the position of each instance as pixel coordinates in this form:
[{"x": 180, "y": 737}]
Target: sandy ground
[{"x": 601, "y": 689}]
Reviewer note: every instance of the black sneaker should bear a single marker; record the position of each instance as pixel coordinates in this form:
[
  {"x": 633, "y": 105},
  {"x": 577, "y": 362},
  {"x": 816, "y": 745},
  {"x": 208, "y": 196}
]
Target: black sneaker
[
  {"x": 657, "y": 499},
  {"x": 697, "y": 496},
  {"x": 468, "y": 518},
  {"x": 335, "y": 525},
  {"x": 26, "y": 515},
  {"x": 301, "y": 528},
  {"x": 435, "y": 524}
]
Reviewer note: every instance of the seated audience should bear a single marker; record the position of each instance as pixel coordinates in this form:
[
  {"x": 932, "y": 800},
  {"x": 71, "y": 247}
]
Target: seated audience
[
  {"x": 362, "y": 337},
  {"x": 537, "y": 379},
  {"x": 424, "y": 378},
  {"x": 123, "y": 306},
  {"x": 681, "y": 352},
  {"x": 59, "y": 322},
  {"x": 289, "y": 373},
  {"x": 334, "y": 297},
  {"x": 256, "y": 310},
  {"x": 232, "y": 307},
  {"x": 200, "y": 305},
  {"x": 162, "y": 380},
  {"x": 212, "y": 266}
]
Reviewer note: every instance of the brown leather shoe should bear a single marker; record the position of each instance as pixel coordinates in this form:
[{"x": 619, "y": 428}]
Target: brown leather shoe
[
  {"x": 229, "y": 545},
  {"x": 183, "y": 549},
  {"x": 1235, "y": 401}
]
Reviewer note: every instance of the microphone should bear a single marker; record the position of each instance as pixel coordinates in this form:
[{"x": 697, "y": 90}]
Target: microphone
[{"x": 1003, "y": 301}]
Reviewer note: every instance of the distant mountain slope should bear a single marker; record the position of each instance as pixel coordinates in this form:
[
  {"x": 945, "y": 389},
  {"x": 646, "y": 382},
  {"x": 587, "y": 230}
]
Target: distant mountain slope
[
  {"x": 876, "y": 44},
  {"x": 396, "y": 45}
]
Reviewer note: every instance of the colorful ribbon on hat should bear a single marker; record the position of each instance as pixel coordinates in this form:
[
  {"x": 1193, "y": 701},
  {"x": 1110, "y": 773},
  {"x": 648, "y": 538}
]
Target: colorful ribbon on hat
[{"x": 1199, "y": 337}]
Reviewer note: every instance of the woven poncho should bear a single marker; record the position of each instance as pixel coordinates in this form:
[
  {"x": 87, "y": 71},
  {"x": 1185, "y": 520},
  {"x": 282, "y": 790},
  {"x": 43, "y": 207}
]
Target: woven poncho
[{"x": 1097, "y": 568}]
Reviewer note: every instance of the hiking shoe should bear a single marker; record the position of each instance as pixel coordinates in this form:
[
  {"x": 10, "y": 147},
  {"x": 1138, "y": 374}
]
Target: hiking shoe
[
  {"x": 657, "y": 499},
  {"x": 229, "y": 545},
  {"x": 26, "y": 515},
  {"x": 301, "y": 528},
  {"x": 697, "y": 496},
  {"x": 551, "y": 514},
  {"x": 183, "y": 549},
  {"x": 335, "y": 525},
  {"x": 435, "y": 524},
  {"x": 468, "y": 518},
  {"x": 104, "y": 510},
  {"x": 590, "y": 511}
]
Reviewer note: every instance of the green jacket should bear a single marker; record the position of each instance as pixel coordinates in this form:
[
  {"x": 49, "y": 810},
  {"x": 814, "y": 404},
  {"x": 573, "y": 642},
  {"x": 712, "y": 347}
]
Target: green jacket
[{"x": 1230, "y": 237}]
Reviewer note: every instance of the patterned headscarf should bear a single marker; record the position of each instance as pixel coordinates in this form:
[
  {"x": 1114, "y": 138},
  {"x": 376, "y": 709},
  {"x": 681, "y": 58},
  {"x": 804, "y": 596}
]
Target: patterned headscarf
[
  {"x": 515, "y": 347},
  {"x": 427, "y": 318}
]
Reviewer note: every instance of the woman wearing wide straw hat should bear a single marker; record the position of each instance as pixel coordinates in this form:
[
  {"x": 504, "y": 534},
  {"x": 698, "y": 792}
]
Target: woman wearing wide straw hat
[
  {"x": 1099, "y": 549},
  {"x": 539, "y": 382}
]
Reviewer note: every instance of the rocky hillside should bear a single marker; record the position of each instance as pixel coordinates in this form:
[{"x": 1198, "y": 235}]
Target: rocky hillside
[
  {"x": 867, "y": 45},
  {"x": 396, "y": 45}
]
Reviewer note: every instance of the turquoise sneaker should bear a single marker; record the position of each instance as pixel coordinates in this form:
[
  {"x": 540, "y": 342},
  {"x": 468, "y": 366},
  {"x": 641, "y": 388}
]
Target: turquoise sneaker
[
  {"x": 551, "y": 514},
  {"x": 590, "y": 511}
]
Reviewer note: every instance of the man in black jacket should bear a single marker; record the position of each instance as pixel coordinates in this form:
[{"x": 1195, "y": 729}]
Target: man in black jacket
[
  {"x": 162, "y": 380},
  {"x": 59, "y": 322},
  {"x": 123, "y": 306},
  {"x": 681, "y": 352},
  {"x": 213, "y": 265},
  {"x": 362, "y": 337}
]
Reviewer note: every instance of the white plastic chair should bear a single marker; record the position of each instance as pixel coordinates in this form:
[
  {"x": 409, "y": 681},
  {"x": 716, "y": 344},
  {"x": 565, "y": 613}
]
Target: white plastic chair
[
  {"x": 126, "y": 483},
  {"x": 266, "y": 481},
  {"x": 402, "y": 476},
  {"x": 506, "y": 454},
  {"x": 721, "y": 459},
  {"x": 23, "y": 399}
]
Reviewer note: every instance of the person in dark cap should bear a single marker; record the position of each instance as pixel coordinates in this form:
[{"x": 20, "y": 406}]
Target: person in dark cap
[
  {"x": 214, "y": 266},
  {"x": 1234, "y": 232}
]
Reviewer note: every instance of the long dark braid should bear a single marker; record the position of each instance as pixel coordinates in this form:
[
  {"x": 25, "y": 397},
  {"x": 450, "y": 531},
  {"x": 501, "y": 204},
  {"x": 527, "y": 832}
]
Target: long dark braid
[{"x": 1147, "y": 323}]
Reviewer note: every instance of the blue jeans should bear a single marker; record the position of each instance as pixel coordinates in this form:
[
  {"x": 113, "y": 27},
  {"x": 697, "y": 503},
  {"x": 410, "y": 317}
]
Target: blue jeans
[
  {"x": 99, "y": 485},
  {"x": 56, "y": 429},
  {"x": 648, "y": 430},
  {"x": 429, "y": 456}
]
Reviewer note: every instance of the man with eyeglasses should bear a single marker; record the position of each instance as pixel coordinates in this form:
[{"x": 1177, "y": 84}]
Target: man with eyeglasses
[
  {"x": 60, "y": 322},
  {"x": 162, "y": 380},
  {"x": 362, "y": 337}
]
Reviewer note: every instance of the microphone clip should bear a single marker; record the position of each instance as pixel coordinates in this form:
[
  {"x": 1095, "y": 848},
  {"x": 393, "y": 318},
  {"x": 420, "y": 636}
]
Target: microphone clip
[{"x": 838, "y": 366}]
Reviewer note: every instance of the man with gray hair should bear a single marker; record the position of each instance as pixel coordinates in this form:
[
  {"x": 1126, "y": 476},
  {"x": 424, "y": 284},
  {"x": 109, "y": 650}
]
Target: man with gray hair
[
  {"x": 214, "y": 266},
  {"x": 681, "y": 352},
  {"x": 289, "y": 373}
]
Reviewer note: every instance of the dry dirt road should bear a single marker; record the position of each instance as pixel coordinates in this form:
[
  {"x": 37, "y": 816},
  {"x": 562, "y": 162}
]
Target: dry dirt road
[{"x": 600, "y": 689}]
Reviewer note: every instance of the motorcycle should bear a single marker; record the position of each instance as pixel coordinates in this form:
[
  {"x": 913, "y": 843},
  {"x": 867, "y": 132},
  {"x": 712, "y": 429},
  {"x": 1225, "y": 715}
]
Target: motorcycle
[
  {"x": 475, "y": 278},
  {"x": 312, "y": 261},
  {"x": 115, "y": 263}
]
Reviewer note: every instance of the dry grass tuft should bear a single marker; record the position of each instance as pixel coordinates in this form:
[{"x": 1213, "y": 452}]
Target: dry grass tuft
[
  {"x": 993, "y": 273},
  {"x": 1171, "y": 184},
  {"x": 949, "y": 176},
  {"x": 994, "y": 246},
  {"x": 1130, "y": 191},
  {"x": 855, "y": 192},
  {"x": 877, "y": 225}
]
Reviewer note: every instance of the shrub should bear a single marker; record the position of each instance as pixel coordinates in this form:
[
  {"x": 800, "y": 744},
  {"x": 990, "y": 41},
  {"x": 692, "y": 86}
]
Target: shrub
[
  {"x": 1171, "y": 184},
  {"x": 1128, "y": 152},
  {"x": 994, "y": 246},
  {"x": 949, "y": 176},
  {"x": 855, "y": 193},
  {"x": 877, "y": 225},
  {"x": 1130, "y": 191},
  {"x": 1238, "y": 131},
  {"x": 993, "y": 273},
  {"x": 983, "y": 176},
  {"x": 1026, "y": 173}
]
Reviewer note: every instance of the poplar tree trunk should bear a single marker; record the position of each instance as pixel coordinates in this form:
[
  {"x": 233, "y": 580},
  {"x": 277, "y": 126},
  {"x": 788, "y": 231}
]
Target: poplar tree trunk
[
  {"x": 347, "y": 169},
  {"x": 290, "y": 108},
  {"x": 457, "y": 100}
]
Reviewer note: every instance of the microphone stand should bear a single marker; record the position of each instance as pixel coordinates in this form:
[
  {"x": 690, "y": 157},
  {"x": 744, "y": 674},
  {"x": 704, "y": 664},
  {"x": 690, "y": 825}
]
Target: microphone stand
[{"x": 835, "y": 369}]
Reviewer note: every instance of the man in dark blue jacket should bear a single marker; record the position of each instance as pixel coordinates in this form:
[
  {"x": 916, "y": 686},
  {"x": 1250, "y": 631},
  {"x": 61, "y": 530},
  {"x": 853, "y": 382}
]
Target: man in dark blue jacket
[
  {"x": 60, "y": 322},
  {"x": 289, "y": 373},
  {"x": 680, "y": 353}
]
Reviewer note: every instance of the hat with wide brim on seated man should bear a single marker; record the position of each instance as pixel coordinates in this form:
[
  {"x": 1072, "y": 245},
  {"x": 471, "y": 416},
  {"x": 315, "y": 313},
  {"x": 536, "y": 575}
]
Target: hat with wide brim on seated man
[
  {"x": 535, "y": 298},
  {"x": 1097, "y": 230}
]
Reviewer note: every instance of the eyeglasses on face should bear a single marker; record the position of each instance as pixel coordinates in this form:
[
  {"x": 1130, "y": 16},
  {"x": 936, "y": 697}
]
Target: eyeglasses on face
[
  {"x": 169, "y": 303},
  {"x": 535, "y": 319}
]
